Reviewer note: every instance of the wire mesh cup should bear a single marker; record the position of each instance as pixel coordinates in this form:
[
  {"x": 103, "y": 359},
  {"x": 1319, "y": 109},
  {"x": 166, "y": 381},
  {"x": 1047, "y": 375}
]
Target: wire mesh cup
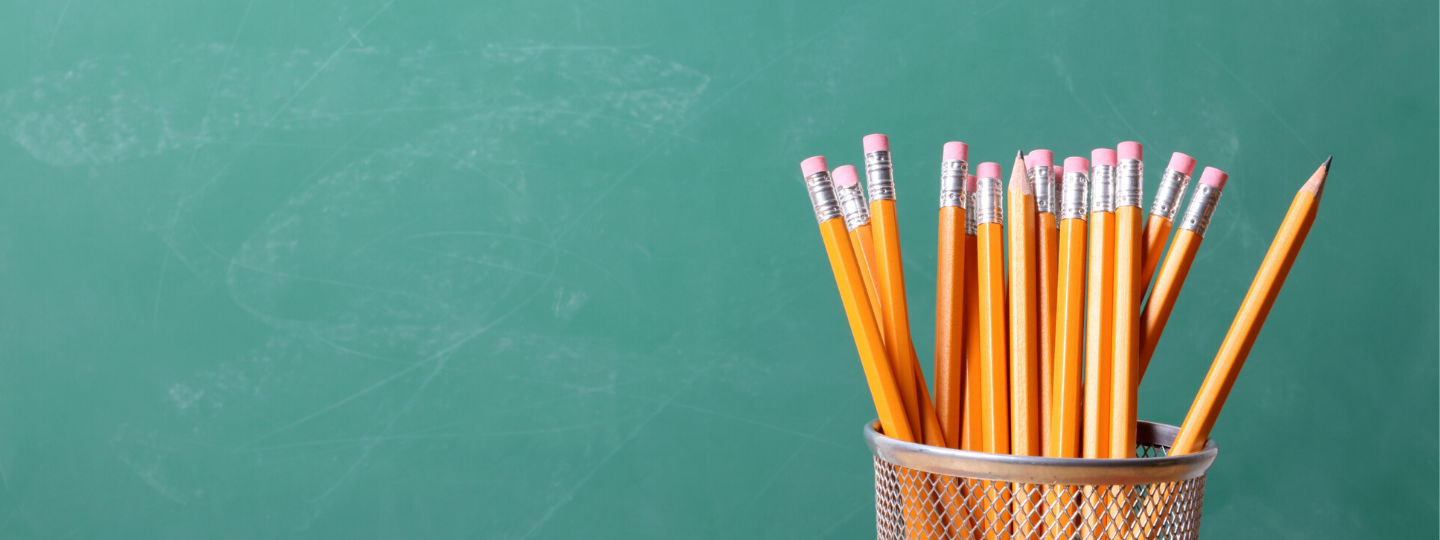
[{"x": 928, "y": 493}]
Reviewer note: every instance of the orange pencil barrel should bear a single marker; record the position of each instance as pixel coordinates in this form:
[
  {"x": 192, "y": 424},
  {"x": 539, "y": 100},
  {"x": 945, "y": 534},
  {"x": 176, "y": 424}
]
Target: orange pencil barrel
[
  {"x": 994, "y": 391},
  {"x": 1024, "y": 318},
  {"x": 1251, "y": 317},
  {"x": 1099, "y": 326},
  {"x": 950, "y": 293},
  {"x": 1063, "y": 439},
  {"x": 970, "y": 426},
  {"x": 1045, "y": 181}
]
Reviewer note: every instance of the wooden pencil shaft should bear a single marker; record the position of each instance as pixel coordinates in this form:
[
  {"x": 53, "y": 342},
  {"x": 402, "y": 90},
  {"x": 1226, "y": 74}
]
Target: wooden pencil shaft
[
  {"x": 1157, "y": 230},
  {"x": 1024, "y": 329},
  {"x": 949, "y": 322},
  {"x": 884, "y": 388},
  {"x": 994, "y": 380},
  {"x": 1099, "y": 304},
  {"x": 1064, "y": 440},
  {"x": 971, "y": 429},
  {"x": 896, "y": 322},
  {"x": 864, "y": 245},
  {"x": 1047, "y": 249},
  {"x": 1125, "y": 364},
  {"x": 1248, "y": 322},
  {"x": 1167, "y": 290}
]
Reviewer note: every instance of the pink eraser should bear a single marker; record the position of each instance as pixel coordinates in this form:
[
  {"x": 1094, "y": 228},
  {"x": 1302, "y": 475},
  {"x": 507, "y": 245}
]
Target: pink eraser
[
  {"x": 1102, "y": 156},
  {"x": 953, "y": 150},
  {"x": 876, "y": 143},
  {"x": 812, "y": 165},
  {"x": 1182, "y": 163},
  {"x": 1026, "y": 157},
  {"x": 1076, "y": 163},
  {"x": 1131, "y": 150},
  {"x": 1214, "y": 178},
  {"x": 989, "y": 170},
  {"x": 844, "y": 176},
  {"x": 970, "y": 183},
  {"x": 1040, "y": 158},
  {"x": 1057, "y": 171}
]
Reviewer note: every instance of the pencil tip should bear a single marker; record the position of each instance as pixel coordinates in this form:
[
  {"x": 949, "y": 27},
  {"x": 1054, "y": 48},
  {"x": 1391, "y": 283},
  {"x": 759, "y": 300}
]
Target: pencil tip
[
  {"x": 1019, "y": 181},
  {"x": 1316, "y": 184},
  {"x": 1327, "y": 163}
]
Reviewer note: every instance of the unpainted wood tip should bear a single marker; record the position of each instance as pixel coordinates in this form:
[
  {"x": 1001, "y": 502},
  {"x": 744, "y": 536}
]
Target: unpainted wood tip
[
  {"x": 1316, "y": 184},
  {"x": 1019, "y": 181}
]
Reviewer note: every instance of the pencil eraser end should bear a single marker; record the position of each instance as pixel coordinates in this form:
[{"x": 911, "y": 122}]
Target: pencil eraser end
[
  {"x": 877, "y": 143},
  {"x": 1182, "y": 163},
  {"x": 1102, "y": 156},
  {"x": 1131, "y": 150},
  {"x": 1214, "y": 178},
  {"x": 845, "y": 176},
  {"x": 989, "y": 170},
  {"x": 970, "y": 183},
  {"x": 812, "y": 165},
  {"x": 955, "y": 150},
  {"x": 1076, "y": 163},
  {"x": 1040, "y": 158},
  {"x": 1059, "y": 171}
]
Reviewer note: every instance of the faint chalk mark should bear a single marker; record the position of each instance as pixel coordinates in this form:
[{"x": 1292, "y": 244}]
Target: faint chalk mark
[
  {"x": 798, "y": 449},
  {"x": 1257, "y": 97},
  {"x": 159, "y": 288},
  {"x": 61, "y": 19},
  {"x": 570, "y": 495},
  {"x": 1132, "y": 129}
]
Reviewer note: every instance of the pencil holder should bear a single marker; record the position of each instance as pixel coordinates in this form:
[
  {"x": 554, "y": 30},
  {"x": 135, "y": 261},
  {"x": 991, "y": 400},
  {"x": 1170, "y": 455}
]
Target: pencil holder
[{"x": 924, "y": 492}]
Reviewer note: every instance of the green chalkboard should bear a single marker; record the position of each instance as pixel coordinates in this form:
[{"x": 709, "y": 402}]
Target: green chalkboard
[{"x": 403, "y": 269}]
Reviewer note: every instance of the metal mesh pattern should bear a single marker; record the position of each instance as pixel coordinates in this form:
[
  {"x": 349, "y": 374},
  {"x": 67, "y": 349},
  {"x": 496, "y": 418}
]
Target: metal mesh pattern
[{"x": 917, "y": 505}]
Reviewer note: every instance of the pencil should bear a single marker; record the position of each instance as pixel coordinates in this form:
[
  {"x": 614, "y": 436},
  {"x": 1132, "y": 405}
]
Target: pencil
[
  {"x": 1125, "y": 364},
  {"x": 1162, "y": 214},
  {"x": 896, "y": 320},
  {"x": 994, "y": 391},
  {"x": 1188, "y": 236},
  {"x": 1251, "y": 317},
  {"x": 970, "y": 426},
  {"x": 1099, "y": 309},
  {"x": 1064, "y": 429},
  {"x": 857, "y": 220},
  {"x": 1064, "y": 440},
  {"x": 1024, "y": 339},
  {"x": 1024, "y": 316},
  {"x": 1047, "y": 205},
  {"x": 884, "y": 389},
  {"x": 950, "y": 292},
  {"x": 1099, "y": 302}
]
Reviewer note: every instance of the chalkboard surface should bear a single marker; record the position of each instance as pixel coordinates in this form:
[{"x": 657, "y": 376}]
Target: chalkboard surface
[{"x": 400, "y": 269}]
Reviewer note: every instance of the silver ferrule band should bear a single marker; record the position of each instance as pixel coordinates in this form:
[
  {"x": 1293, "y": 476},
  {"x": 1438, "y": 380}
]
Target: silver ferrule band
[
  {"x": 1202, "y": 207},
  {"x": 1129, "y": 183},
  {"x": 1047, "y": 191},
  {"x": 952, "y": 182},
  {"x": 1074, "y": 191},
  {"x": 970, "y": 225},
  {"x": 852, "y": 205},
  {"x": 822, "y": 196},
  {"x": 1102, "y": 188},
  {"x": 988, "y": 201},
  {"x": 879, "y": 177},
  {"x": 1167, "y": 196}
]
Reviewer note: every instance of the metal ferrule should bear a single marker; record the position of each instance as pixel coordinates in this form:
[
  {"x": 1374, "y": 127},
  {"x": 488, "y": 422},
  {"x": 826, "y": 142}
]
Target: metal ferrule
[
  {"x": 1102, "y": 188},
  {"x": 852, "y": 205},
  {"x": 1074, "y": 190},
  {"x": 1202, "y": 206},
  {"x": 952, "y": 183},
  {"x": 1129, "y": 183},
  {"x": 822, "y": 196},
  {"x": 970, "y": 225},
  {"x": 878, "y": 176},
  {"x": 1047, "y": 200},
  {"x": 1167, "y": 196},
  {"x": 987, "y": 201}
]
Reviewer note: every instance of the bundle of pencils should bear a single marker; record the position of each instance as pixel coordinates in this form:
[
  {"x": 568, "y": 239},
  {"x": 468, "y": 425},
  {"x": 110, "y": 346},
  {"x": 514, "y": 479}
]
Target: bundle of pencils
[{"x": 1043, "y": 332}]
